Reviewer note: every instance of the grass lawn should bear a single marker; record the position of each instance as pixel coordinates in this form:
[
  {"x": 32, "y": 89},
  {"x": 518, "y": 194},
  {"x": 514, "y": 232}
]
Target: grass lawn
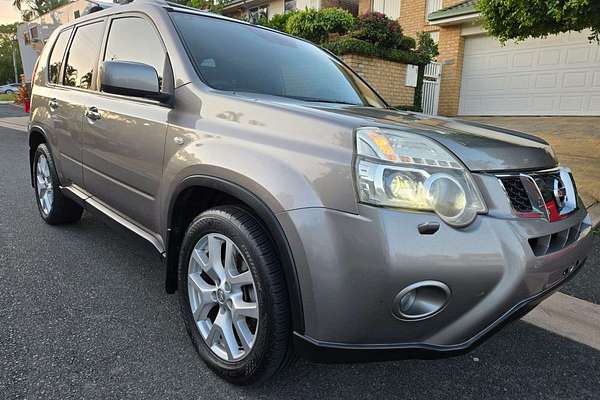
[{"x": 8, "y": 97}]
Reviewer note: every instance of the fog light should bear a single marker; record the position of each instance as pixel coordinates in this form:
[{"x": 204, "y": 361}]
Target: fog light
[{"x": 421, "y": 300}]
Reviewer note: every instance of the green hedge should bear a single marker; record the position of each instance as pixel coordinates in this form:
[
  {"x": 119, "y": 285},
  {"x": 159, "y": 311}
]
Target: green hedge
[
  {"x": 317, "y": 25},
  {"x": 349, "y": 45}
]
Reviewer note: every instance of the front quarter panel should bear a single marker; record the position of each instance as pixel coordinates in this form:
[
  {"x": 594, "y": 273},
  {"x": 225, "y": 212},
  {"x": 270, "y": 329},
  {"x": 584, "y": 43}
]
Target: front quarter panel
[{"x": 278, "y": 155}]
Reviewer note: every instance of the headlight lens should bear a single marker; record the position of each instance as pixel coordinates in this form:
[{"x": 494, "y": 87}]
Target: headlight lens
[{"x": 405, "y": 170}]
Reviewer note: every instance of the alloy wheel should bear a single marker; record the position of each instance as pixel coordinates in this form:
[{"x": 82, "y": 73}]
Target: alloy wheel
[
  {"x": 45, "y": 191},
  {"x": 222, "y": 297}
]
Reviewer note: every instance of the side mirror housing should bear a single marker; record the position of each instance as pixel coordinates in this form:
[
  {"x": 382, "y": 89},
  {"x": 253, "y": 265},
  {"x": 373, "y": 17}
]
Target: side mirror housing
[{"x": 131, "y": 79}]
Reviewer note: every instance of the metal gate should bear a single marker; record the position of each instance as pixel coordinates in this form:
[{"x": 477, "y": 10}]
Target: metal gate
[{"x": 431, "y": 88}]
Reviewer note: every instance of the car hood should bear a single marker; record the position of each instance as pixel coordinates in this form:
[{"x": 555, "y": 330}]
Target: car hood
[{"x": 480, "y": 147}]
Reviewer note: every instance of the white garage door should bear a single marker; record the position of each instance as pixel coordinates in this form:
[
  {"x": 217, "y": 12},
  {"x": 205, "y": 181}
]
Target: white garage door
[{"x": 559, "y": 75}]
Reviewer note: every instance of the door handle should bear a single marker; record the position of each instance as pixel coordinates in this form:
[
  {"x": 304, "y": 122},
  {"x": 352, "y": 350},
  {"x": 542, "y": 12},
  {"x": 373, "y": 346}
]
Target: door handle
[
  {"x": 93, "y": 114},
  {"x": 53, "y": 104}
]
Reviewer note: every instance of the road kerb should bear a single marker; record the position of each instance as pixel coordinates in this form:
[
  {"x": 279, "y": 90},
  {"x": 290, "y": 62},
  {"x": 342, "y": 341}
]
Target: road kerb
[{"x": 570, "y": 317}]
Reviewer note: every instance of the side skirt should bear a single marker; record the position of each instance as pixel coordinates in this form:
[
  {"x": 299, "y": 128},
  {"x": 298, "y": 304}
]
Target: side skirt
[{"x": 111, "y": 217}]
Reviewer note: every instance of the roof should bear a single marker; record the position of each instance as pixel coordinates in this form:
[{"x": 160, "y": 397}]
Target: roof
[{"x": 457, "y": 10}]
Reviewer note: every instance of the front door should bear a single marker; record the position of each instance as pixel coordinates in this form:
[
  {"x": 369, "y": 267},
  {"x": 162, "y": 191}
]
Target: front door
[{"x": 124, "y": 137}]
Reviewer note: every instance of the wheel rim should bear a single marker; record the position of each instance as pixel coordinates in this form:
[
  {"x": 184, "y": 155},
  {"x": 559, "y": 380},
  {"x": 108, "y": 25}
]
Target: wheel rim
[
  {"x": 222, "y": 297},
  {"x": 45, "y": 191}
]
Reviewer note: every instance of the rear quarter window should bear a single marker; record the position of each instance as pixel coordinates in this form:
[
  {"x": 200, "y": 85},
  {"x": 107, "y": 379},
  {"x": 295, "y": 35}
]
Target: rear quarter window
[{"x": 55, "y": 61}]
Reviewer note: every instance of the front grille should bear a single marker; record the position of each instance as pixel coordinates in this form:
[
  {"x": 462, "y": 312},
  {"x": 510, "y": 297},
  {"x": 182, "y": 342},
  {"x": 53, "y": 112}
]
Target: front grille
[
  {"x": 545, "y": 183},
  {"x": 519, "y": 200},
  {"x": 547, "y": 244},
  {"x": 533, "y": 194}
]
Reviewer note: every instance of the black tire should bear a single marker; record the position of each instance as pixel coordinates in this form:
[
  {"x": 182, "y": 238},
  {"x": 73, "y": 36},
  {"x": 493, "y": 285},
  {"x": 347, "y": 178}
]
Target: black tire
[
  {"x": 272, "y": 349},
  {"x": 63, "y": 210}
]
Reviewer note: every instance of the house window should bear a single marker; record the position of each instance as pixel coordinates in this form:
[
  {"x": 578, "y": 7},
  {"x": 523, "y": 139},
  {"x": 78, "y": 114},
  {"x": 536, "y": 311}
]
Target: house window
[
  {"x": 34, "y": 34},
  {"x": 289, "y": 5},
  {"x": 76, "y": 14},
  {"x": 391, "y": 8},
  {"x": 432, "y": 6},
  {"x": 257, "y": 13},
  {"x": 435, "y": 36}
]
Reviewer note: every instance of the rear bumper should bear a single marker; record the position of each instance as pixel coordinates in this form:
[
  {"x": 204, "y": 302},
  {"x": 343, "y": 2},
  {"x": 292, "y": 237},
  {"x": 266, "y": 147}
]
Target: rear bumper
[{"x": 352, "y": 267}]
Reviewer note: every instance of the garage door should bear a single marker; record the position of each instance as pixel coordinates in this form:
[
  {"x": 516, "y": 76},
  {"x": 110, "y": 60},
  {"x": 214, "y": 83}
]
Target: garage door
[{"x": 559, "y": 75}]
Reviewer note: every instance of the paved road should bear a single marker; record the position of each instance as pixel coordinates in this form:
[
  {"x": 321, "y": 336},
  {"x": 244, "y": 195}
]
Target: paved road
[{"x": 83, "y": 315}]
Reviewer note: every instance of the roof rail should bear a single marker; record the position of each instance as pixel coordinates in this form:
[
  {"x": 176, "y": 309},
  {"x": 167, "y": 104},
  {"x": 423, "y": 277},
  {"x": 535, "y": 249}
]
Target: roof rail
[{"x": 175, "y": 4}]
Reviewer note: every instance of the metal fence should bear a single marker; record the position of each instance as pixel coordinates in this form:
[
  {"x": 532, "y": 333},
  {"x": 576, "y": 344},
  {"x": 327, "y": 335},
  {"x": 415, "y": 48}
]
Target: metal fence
[{"x": 431, "y": 88}]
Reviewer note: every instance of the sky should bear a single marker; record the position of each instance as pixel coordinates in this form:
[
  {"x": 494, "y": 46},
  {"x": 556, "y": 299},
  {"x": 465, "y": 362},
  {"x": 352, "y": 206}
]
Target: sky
[{"x": 8, "y": 13}]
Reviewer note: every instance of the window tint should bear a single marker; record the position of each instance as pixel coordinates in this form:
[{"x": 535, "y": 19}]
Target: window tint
[
  {"x": 83, "y": 55},
  {"x": 124, "y": 43},
  {"x": 243, "y": 58},
  {"x": 56, "y": 57}
]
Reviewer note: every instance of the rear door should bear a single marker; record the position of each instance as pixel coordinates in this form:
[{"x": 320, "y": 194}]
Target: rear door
[
  {"x": 69, "y": 88},
  {"x": 64, "y": 132},
  {"x": 124, "y": 141}
]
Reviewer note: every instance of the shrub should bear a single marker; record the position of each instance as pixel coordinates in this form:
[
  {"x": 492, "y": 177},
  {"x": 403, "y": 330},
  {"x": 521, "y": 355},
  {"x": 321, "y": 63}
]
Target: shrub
[
  {"x": 316, "y": 25},
  {"x": 351, "y": 45},
  {"x": 407, "y": 43},
  {"x": 427, "y": 46},
  {"x": 278, "y": 21},
  {"x": 376, "y": 28}
]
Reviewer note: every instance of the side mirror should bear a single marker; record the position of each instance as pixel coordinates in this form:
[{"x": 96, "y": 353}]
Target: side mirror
[{"x": 131, "y": 79}]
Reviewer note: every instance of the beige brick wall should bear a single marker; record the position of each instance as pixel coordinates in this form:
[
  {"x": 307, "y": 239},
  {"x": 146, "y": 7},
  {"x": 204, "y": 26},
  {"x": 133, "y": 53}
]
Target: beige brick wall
[
  {"x": 364, "y": 6},
  {"x": 387, "y": 77},
  {"x": 412, "y": 17},
  {"x": 451, "y": 48}
]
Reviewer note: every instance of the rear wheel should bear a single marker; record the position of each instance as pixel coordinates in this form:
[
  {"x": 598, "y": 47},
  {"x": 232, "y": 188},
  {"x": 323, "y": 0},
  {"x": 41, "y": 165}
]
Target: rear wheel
[
  {"x": 233, "y": 297},
  {"x": 54, "y": 207}
]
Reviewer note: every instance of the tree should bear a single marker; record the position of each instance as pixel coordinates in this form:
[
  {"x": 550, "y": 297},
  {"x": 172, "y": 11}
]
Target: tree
[
  {"x": 8, "y": 44},
  {"x": 33, "y": 8},
  {"x": 520, "y": 19},
  {"x": 215, "y": 6}
]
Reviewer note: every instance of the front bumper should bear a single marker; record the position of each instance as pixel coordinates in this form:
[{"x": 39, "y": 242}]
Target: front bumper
[{"x": 351, "y": 267}]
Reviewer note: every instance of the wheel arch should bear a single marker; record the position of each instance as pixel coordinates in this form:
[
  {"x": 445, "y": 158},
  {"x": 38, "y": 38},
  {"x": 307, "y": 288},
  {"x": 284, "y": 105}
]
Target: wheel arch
[
  {"x": 232, "y": 193},
  {"x": 36, "y": 137}
]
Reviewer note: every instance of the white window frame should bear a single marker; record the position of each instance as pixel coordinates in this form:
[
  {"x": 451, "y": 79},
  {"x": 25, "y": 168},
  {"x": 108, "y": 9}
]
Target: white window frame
[
  {"x": 383, "y": 8},
  {"x": 433, "y": 6},
  {"x": 255, "y": 12},
  {"x": 285, "y": 3}
]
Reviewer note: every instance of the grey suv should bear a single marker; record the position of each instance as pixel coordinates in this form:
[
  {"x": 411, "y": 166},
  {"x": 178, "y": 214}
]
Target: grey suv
[{"x": 296, "y": 213}]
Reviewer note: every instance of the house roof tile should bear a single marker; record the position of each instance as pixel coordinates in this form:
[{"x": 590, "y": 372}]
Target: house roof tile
[{"x": 464, "y": 8}]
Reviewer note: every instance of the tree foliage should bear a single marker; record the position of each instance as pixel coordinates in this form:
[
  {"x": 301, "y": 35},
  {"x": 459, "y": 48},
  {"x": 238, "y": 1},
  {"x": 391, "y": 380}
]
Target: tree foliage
[
  {"x": 520, "y": 19},
  {"x": 34, "y": 8},
  {"x": 7, "y": 41},
  {"x": 378, "y": 29},
  {"x": 317, "y": 25},
  {"x": 215, "y": 6}
]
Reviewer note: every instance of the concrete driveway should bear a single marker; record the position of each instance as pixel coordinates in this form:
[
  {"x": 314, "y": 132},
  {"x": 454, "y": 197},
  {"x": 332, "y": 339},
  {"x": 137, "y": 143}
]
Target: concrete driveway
[{"x": 576, "y": 141}]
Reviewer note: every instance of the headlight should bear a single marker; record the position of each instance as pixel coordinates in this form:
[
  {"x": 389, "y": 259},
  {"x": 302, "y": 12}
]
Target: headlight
[{"x": 405, "y": 170}]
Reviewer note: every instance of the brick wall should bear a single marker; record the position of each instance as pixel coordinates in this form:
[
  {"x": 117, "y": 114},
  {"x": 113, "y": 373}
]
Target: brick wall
[
  {"x": 349, "y": 5},
  {"x": 387, "y": 77},
  {"x": 451, "y": 48},
  {"x": 412, "y": 17}
]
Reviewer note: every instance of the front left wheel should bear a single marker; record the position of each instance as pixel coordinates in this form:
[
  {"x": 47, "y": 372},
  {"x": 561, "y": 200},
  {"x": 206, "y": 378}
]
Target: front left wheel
[{"x": 233, "y": 297}]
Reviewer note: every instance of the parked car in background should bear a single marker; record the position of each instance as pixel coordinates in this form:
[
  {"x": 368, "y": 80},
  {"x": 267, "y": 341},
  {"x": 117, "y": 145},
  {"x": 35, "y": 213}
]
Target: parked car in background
[
  {"x": 9, "y": 88},
  {"x": 295, "y": 211}
]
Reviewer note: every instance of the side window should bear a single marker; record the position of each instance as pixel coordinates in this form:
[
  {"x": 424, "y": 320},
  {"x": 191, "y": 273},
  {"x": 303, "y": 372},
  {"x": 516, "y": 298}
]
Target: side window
[
  {"x": 83, "y": 55},
  {"x": 124, "y": 44},
  {"x": 56, "y": 56}
]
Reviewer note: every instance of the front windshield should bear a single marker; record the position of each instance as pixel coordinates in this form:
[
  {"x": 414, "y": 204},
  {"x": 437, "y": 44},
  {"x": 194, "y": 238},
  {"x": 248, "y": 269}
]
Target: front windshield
[{"x": 238, "y": 57}]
